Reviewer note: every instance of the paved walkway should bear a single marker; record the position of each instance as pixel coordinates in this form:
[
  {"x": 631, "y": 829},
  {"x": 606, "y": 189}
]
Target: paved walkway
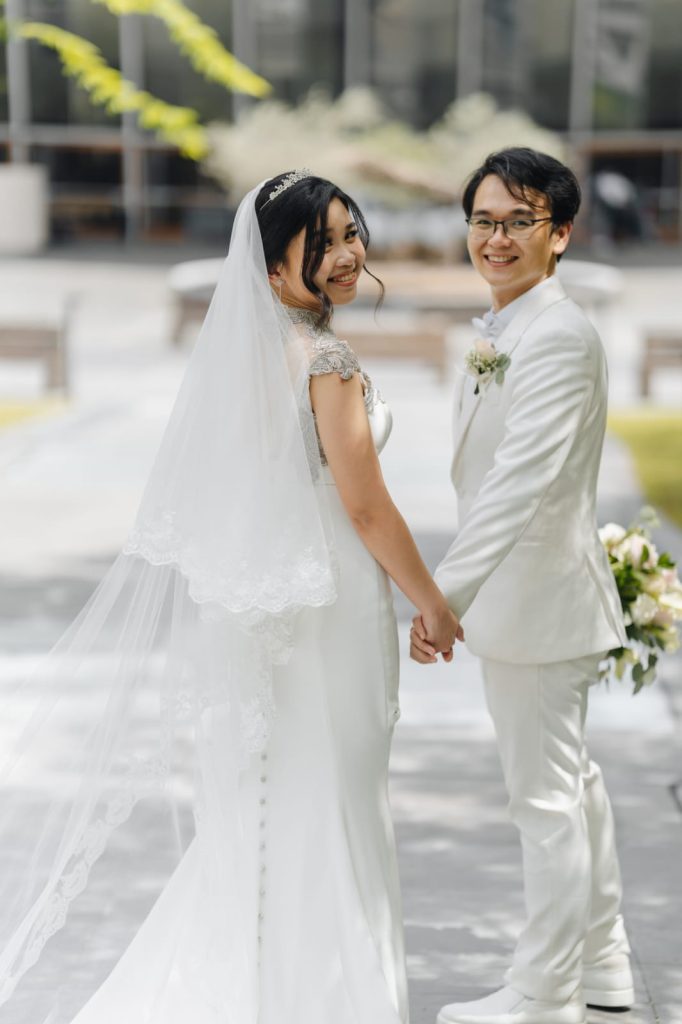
[{"x": 70, "y": 485}]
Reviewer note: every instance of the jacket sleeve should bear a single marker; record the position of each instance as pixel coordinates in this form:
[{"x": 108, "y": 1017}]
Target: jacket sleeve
[{"x": 552, "y": 387}]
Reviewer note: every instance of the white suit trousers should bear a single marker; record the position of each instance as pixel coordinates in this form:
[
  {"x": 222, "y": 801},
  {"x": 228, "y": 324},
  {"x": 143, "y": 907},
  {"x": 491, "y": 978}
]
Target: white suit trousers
[{"x": 560, "y": 806}]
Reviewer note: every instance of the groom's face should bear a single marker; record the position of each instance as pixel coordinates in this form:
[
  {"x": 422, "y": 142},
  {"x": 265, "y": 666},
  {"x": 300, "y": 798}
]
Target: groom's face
[{"x": 513, "y": 265}]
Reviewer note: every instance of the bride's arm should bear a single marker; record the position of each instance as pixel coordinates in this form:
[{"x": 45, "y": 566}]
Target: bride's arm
[{"x": 347, "y": 442}]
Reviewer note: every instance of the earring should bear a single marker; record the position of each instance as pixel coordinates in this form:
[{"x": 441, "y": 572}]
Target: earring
[{"x": 280, "y": 283}]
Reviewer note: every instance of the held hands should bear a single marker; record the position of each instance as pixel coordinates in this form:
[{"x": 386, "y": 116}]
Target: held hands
[{"x": 434, "y": 632}]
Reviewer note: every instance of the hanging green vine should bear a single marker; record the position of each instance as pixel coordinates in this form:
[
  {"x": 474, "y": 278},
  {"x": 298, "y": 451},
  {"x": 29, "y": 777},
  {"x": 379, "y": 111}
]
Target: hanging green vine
[
  {"x": 199, "y": 43},
  {"x": 82, "y": 61},
  {"x": 106, "y": 87}
]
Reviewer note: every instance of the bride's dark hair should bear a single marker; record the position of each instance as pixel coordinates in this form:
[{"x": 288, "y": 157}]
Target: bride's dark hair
[{"x": 304, "y": 205}]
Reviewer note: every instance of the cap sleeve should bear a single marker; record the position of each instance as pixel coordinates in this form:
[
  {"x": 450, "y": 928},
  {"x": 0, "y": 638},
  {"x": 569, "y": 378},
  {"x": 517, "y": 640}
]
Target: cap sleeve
[{"x": 335, "y": 356}]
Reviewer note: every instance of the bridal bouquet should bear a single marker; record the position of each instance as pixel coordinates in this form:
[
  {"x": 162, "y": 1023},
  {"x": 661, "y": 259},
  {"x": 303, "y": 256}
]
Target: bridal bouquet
[{"x": 651, "y": 597}]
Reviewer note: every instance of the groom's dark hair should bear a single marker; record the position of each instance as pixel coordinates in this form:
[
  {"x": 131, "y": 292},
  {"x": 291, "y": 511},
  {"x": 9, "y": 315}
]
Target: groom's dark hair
[{"x": 526, "y": 171}]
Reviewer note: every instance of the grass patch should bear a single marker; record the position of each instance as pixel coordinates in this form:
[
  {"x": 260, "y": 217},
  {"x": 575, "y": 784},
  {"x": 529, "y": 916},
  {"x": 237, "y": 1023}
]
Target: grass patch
[
  {"x": 654, "y": 438},
  {"x": 16, "y": 412}
]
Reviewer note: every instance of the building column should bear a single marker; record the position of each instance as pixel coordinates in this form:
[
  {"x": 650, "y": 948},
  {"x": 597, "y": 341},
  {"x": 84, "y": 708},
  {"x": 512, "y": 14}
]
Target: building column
[
  {"x": 470, "y": 22},
  {"x": 18, "y": 86},
  {"x": 131, "y": 60},
  {"x": 357, "y": 43},
  {"x": 244, "y": 47},
  {"x": 583, "y": 66}
]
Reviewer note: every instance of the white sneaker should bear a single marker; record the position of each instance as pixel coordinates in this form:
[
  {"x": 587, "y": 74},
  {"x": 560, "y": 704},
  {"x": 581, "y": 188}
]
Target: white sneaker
[
  {"x": 507, "y": 1006},
  {"x": 609, "y": 985}
]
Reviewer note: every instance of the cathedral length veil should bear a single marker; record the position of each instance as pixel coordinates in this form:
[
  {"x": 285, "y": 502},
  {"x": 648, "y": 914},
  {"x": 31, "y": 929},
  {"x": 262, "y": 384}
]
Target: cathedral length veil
[{"x": 107, "y": 768}]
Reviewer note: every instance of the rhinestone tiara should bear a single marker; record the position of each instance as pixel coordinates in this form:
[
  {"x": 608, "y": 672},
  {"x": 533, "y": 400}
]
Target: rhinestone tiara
[{"x": 287, "y": 182}]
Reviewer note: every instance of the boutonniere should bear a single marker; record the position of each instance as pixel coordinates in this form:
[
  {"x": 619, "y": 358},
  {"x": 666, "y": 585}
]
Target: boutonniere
[{"x": 484, "y": 362}]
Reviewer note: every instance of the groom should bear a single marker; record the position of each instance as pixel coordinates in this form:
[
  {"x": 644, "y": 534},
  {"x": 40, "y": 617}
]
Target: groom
[{"x": 528, "y": 576}]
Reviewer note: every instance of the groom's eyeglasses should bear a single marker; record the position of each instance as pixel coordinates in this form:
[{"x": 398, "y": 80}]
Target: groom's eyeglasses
[{"x": 513, "y": 227}]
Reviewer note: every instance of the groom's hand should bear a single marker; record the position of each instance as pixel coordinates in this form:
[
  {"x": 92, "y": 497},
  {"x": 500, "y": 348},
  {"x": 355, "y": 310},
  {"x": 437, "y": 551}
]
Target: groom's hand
[{"x": 423, "y": 649}]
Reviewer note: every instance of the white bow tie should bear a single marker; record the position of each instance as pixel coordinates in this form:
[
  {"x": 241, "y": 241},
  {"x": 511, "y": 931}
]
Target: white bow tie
[{"x": 488, "y": 326}]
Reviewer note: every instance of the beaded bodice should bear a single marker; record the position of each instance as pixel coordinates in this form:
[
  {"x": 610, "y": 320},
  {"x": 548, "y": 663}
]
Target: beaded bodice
[{"x": 330, "y": 354}]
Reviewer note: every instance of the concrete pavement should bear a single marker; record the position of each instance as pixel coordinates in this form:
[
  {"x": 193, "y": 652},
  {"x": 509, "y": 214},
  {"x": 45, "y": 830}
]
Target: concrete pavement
[{"x": 70, "y": 485}]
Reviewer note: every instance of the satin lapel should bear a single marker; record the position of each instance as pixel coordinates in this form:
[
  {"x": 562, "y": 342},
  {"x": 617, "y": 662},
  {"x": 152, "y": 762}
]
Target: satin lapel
[{"x": 551, "y": 293}]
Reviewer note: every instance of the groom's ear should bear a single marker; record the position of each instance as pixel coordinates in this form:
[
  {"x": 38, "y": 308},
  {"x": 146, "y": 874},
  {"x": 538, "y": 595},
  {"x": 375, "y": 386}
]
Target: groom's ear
[{"x": 562, "y": 234}]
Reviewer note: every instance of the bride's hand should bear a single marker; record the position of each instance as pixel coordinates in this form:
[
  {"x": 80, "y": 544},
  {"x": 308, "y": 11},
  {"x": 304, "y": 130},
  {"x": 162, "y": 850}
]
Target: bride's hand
[{"x": 433, "y": 632}]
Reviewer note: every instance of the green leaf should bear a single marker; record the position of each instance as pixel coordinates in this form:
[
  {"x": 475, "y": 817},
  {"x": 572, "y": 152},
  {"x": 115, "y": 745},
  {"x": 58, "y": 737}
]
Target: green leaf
[
  {"x": 499, "y": 377},
  {"x": 106, "y": 86},
  {"x": 665, "y": 561},
  {"x": 199, "y": 43},
  {"x": 649, "y": 676}
]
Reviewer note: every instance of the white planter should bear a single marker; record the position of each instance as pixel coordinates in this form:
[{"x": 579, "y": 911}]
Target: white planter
[{"x": 23, "y": 209}]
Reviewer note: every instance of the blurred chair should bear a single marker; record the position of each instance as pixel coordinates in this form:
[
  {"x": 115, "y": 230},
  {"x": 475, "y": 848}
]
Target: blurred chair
[
  {"x": 662, "y": 350},
  {"x": 591, "y": 285},
  {"x": 192, "y": 284},
  {"x": 40, "y": 333}
]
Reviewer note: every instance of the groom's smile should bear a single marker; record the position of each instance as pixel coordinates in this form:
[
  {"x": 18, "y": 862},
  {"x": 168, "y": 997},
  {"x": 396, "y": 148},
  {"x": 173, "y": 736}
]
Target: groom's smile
[{"x": 512, "y": 265}]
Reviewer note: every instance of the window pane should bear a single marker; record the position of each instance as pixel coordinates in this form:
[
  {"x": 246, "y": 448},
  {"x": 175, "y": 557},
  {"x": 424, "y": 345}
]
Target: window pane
[
  {"x": 85, "y": 191},
  {"x": 301, "y": 46},
  {"x": 56, "y": 99},
  {"x": 169, "y": 75},
  {"x": 664, "y": 94},
  {"x": 550, "y": 27},
  {"x": 414, "y": 57},
  {"x": 4, "y": 110}
]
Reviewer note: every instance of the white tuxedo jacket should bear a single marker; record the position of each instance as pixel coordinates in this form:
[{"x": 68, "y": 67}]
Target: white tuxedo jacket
[{"x": 527, "y": 573}]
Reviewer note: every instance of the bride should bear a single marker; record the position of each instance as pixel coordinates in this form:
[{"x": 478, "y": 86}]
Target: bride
[{"x": 196, "y": 777}]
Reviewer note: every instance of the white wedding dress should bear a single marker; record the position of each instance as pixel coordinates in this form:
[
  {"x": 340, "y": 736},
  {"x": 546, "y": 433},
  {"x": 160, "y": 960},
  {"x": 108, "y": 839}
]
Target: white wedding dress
[{"x": 316, "y": 830}]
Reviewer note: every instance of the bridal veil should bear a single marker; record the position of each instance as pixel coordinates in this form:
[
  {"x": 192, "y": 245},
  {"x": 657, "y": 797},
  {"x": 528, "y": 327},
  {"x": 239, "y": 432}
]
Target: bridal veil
[{"x": 106, "y": 767}]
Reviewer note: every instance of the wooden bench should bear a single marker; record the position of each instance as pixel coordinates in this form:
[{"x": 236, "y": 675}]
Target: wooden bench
[
  {"x": 42, "y": 335},
  {"x": 662, "y": 350}
]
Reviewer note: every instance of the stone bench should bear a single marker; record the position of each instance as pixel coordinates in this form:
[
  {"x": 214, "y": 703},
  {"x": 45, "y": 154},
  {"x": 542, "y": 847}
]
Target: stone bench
[
  {"x": 38, "y": 335},
  {"x": 662, "y": 351}
]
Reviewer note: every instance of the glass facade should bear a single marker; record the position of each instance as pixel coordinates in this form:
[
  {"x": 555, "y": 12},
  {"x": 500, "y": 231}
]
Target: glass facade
[
  {"x": 414, "y": 58},
  {"x": 56, "y": 99},
  {"x": 418, "y": 56},
  {"x": 663, "y": 101}
]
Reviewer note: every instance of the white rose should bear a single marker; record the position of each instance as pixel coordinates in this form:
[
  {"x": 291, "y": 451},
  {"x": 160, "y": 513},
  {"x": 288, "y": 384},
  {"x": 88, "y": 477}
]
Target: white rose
[
  {"x": 610, "y": 534},
  {"x": 655, "y": 585},
  {"x": 652, "y": 560},
  {"x": 484, "y": 348},
  {"x": 632, "y": 550},
  {"x": 643, "y": 610},
  {"x": 663, "y": 618},
  {"x": 672, "y": 602}
]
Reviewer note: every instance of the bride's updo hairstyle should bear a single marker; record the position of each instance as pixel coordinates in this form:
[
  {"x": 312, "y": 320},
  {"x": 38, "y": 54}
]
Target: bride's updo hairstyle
[{"x": 304, "y": 205}]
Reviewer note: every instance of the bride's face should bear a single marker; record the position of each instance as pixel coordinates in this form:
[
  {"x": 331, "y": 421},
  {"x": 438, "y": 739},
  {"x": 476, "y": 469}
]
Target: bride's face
[{"x": 337, "y": 276}]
